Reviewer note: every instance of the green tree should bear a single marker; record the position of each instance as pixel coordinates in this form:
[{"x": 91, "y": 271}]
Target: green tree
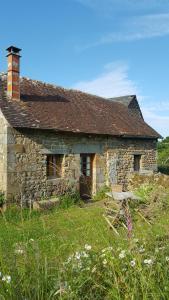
[{"x": 163, "y": 156}]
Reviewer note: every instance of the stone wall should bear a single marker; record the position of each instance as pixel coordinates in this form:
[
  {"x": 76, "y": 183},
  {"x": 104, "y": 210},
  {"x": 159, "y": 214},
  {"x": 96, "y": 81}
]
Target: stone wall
[
  {"x": 3, "y": 153},
  {"x": 113, "y": 161}
]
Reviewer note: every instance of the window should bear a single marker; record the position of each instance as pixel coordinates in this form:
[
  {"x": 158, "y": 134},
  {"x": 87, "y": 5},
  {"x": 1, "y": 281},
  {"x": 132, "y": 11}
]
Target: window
[
  {"x": 54, "y": 166},
  {"x": 86, "y": 164},
  {"x": 137, "y": 160}
]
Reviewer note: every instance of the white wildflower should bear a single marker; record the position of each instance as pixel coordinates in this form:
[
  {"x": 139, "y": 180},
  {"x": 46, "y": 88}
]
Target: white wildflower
[
  {"x": 84, "y": 254},
  {"x": 133, "y": 263},
  {"x": 162, "y": 248},
  {"x": 88, "y": 247},
  {"x": 122, "y": 254},
  {"x": 77, "y": 255},
  {"x": 69, "y": 259},
  {"x": 142, "y": 249},
  {"x": 6, "y": 278},
  {"x": 167, "y": 258},
  {"x": 110, "y": 248},
  {"x": 148, "y": 261},
  {"x": 107, "y": 249},
  {"x": 104, "y": 250},
  {"x": 19, "y": 251},
  {"x": 104, "y": 262},
  {"x": 31, "y": 240}
]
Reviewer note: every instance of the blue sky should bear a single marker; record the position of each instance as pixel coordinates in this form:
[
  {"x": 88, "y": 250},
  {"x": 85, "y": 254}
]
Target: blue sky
[{"x": 106, "y": 47}]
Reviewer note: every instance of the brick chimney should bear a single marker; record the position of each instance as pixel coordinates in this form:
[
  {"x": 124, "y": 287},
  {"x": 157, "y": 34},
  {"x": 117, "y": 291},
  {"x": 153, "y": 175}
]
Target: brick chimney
[{"x": 13, "y": 78}]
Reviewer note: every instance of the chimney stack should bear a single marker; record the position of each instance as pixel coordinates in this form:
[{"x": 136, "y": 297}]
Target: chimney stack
[{"x": 13, "y": 78}]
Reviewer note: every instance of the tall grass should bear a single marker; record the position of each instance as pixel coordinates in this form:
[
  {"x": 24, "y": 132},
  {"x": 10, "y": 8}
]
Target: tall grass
[{"x": 72, "y": 254}]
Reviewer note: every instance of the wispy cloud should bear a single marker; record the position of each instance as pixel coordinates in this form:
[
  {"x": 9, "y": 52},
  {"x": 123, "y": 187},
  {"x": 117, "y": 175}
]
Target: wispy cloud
[
  {"x": 114, "y": 81},
  {"x": 125, "y": 5},
  {"x": 158, "y": 120},
  {"x": 136, "y": 28}
]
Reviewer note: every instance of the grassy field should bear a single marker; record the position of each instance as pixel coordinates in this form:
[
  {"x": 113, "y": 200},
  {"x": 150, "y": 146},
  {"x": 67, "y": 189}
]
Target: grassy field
[{"x": 73, "y": 254}]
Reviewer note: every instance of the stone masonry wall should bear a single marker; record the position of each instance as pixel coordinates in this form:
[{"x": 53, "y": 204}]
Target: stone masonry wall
[
  {"x": 113, "y": 161},
  {"x": 3, "y": 153}
]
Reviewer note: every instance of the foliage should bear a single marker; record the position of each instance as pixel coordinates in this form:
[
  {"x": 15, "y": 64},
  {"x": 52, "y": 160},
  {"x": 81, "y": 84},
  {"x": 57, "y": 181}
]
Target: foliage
[
  {"x": 101, "y": 194},
  {"x": 144, "y": 192},
  {"x": 2, "y": 199},
  {"x": 70, "y": 199},
  {"x": 117, "y": 273},
  {"x": 71, "y": 254},
  {"x": 163, "y": 156}
]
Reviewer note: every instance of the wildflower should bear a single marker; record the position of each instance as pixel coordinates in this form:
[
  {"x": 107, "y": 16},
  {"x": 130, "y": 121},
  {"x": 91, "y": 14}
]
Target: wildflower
[
  {"x": 6, "y": 278},
  {"x": 19, "y": 251},
  {"x": 69, "y": 259},
  {"x": 88, "y": 247},
  {"x": 122, "y": 254},
  {"x": 31, "y": 240},
  {"x": 104, "y": 262},
  {"x": 148, "y": 261},
  {"x": 167, "y": 258},
  {"x": 77, "y": 255},
  {"x": 107, "y": 249},
  {"x": 104, "y": 250},
  {"x": 84, "y": 254},
  {"x": 133, "y": 263},
  {"x": 142, "y": 249}
]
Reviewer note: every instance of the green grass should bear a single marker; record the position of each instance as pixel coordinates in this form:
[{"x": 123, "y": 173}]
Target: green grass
[{"x": 35, "y": 246}]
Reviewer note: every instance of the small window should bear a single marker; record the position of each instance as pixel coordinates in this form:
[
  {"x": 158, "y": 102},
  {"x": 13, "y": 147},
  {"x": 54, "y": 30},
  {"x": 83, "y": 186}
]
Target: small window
[
  {"x": 86, "y": 164},
  {"x": 54, "y": 166},
  {"x": 137, "y": 160}
]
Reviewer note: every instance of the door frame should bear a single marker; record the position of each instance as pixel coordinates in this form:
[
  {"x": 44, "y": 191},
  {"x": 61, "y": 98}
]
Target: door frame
[{"x": 92, "y": 156}]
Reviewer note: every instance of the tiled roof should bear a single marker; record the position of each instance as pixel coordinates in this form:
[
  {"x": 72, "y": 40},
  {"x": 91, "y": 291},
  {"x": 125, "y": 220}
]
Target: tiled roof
[{"x": 45, "y": 106}]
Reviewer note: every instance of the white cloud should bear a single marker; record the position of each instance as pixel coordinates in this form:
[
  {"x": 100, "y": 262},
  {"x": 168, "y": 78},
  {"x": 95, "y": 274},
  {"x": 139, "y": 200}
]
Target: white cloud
[
  {"x": 124, "y": 5},
  {"x": 136, "y": 28},
  {"x": 114, "y": 82},
  {"x": 157, "y": 120}
]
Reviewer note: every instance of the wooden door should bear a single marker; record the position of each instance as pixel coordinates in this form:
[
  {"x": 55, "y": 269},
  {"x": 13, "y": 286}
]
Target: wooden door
[{"x": 86, "y": 178}]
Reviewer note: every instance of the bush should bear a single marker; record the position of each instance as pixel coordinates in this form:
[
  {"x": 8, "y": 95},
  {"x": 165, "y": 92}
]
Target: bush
[{"x": 164, "y": 169}]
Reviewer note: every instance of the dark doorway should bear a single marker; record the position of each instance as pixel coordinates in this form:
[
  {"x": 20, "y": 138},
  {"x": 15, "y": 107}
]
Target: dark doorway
[
  {"x": 86, "y": 178},
  {"x": 137, "y": 160}
]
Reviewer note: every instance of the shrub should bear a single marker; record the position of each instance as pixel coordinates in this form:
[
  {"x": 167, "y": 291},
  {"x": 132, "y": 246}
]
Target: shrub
[{"x": 164, "y": 169}]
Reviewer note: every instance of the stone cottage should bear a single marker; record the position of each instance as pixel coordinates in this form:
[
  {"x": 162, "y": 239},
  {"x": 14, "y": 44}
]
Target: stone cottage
[{"x": 52, "y": 138}]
